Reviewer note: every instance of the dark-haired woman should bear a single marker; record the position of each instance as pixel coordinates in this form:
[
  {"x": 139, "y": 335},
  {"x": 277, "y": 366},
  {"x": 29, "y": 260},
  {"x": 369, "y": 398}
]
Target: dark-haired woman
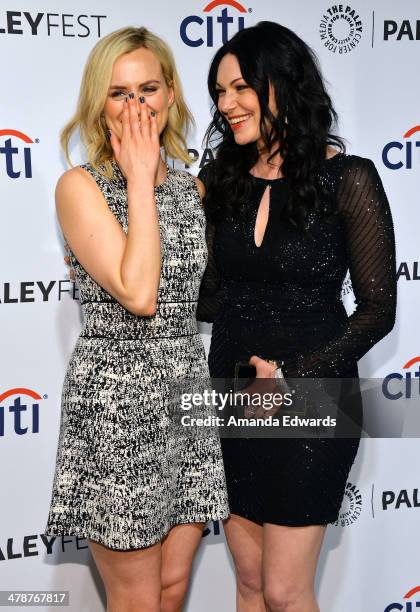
[{"x": 288, "y": 215}]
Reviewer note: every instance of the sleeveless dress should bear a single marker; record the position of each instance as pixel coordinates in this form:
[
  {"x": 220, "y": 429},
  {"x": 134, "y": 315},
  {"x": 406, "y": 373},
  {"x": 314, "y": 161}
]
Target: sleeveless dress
[
  {"x": 282, "y": 301},
  {"x": 125, "y": 474}
]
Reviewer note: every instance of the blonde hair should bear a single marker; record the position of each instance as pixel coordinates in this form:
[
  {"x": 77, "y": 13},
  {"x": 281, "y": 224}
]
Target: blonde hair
[{"x": 89, "y": 118}]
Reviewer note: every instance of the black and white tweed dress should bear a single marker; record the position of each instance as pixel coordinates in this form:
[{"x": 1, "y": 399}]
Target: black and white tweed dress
[{"x": 123, "y": 476}]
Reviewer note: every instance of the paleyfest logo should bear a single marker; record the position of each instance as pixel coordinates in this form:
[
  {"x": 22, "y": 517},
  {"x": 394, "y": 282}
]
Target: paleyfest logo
[
  {"x": 196, "y": 30},
  {"x": 25, "y": 23},
  {"x": 340, "y": 28}
]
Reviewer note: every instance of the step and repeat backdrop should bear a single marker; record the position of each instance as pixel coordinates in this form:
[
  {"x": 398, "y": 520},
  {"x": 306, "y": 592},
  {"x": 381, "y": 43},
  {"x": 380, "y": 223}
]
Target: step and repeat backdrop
[{"x": 369, "y": 52}]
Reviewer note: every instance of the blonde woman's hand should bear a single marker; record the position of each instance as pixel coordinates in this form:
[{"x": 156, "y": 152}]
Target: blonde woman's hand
[
  {"x": 138, "y": 151},
  {"x": 67, "y": 261}
]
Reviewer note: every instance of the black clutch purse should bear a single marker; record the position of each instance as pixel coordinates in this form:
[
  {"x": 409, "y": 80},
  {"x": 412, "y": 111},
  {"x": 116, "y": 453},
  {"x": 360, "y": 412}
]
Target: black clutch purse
[{"x": 245, "y": 373}]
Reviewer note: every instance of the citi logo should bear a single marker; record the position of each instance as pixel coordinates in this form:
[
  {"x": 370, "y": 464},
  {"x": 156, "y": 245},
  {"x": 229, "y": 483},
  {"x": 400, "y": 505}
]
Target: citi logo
[
  {"x": 17, "y": 158},
  {"x": 19, "y": 411},
  {"x": 399, "y": 154},
  {"x": 407, "y": 606},
  {"x": 195, "y": 31},
  {"x": 396, "y": 385}
]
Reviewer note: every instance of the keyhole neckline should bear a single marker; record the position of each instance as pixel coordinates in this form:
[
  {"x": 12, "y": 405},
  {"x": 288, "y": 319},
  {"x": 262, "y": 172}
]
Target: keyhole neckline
[
  {"x": 279, "y": 179},
  {"x": 264, "y": 203},
  {"x": 267, "y": 180}
]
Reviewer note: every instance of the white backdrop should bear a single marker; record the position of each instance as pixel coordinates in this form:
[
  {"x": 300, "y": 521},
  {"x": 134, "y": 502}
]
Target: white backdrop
[{"x": 370, "y": 561}]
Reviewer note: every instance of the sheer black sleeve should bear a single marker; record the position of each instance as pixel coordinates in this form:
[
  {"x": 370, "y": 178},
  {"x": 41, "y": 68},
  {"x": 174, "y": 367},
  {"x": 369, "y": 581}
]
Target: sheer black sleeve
[
  {"x": 209, "y": 296},
  {"x": 370, "y": 245}
]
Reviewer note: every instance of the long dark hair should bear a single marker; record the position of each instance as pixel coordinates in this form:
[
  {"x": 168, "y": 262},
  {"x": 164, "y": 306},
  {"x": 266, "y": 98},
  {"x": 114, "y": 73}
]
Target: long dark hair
[{"x": 269, "y": 53}]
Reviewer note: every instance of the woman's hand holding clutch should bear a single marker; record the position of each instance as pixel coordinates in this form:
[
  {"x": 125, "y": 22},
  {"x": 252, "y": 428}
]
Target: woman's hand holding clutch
[{"x": 264, "y": 391}]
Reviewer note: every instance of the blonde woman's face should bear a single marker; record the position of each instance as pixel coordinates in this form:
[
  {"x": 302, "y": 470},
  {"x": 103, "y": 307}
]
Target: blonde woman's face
[{"x": 139, "y": 72}]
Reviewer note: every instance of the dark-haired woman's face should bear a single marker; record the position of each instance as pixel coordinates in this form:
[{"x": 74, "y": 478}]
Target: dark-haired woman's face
[{"x": 238, "y": 102}]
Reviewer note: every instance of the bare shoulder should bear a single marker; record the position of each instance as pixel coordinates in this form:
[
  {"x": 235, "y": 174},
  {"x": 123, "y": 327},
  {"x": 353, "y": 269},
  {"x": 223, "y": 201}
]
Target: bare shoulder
[
  {"x": 74, "y": 186},
  {"x": 200, "y": 186},
  {"x": 331, "y": 152},
  {"x": 73, "y": 179}
]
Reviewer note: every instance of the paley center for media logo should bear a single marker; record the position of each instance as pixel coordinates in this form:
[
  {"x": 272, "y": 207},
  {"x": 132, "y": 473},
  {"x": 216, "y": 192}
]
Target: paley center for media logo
[
  {"x": 19, "y": 411},
  {"x": 406, "y": 605},
  {"x": 399, "y": 154},
  {"x": 15, "y": 154},
  {"x": 341, "y": 28},
  {"x": 351, "y": 507},
  {"x": 214, "y": 27}
]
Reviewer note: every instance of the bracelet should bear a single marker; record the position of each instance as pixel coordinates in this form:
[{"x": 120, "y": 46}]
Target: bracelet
[{"x": 278, "y": 374}]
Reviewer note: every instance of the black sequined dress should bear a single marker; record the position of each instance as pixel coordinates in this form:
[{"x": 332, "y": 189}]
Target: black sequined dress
[{"x": 283, "y": 299}]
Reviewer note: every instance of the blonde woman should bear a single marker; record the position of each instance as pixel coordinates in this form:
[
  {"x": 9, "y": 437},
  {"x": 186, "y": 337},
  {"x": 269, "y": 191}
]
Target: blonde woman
[{"x": 124, "y": 479}]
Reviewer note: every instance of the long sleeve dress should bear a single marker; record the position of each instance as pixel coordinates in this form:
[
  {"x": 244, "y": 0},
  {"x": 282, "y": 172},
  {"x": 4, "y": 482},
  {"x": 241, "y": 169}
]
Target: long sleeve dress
[{"x": 283, "y": 300}]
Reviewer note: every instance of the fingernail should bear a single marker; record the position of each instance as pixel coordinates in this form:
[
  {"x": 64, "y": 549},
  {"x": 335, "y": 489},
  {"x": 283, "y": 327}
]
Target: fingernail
[
  {"x": 131, "y": 95},
  {"x": 142, "y": 99},
  {"x": 153, "y": 113}
]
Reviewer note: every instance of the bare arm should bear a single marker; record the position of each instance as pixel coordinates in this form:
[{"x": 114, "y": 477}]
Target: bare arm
[
  {"x": 126, "y": 266},
  {"x": 201, "y": 187}
]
